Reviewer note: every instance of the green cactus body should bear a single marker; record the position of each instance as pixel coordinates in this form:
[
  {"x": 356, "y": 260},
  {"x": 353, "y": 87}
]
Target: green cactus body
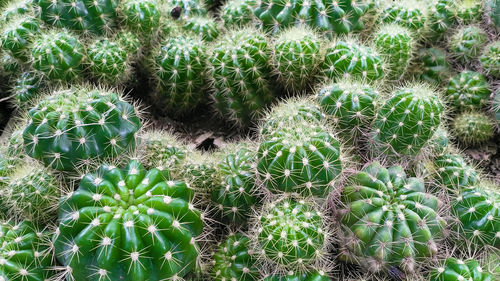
[
  {"x": 83, "y": 15},
  {"x": 494, "y": 13},
  {"x": 141, "y": 16},
  {"x": 27, "y": 88},
  {"x": 406, "y": 121},
  {"x": 18, "y": 35},
  {"x": 473, "y": 128},
  {"x": 25, "y": 252},
  {"x": 313, "y": 276},
  {"x": 440, "y": 18},
  {"x": 237, "y": 13},
  {"x": 79, "y": 125},
  {"x": 490, "y": 59},
  {"x": 350, "y": 104},
  {"x": 180, "y": 69},
  {"x": 130, "y": 43},
  {"x": 189, "y": 7},
  {"x": 455, "y": 270},
  {"x": 162, "y": 149},
  {"x": 453, "y": 173},
  {"x": 435, "y": 66},
  {"x": 439, "y": 143},
  {"x": 296, "y": 58},
  {"x": 291, "y": 234},
  {"x": 10, "y": 65},
  {"x": 203, "y": 26},
  {"x": 59, "y": 56},
  {"x": 477, "y": 214},
  {"x": 15, "y": 146},
  {"x": 468, "y": 90},
  {"x": 466, "y": 44},
  {"x": 469, "y": 11},
  {"x": 396, "y": 45},
  {"x": 350, "y": 59},
  {"x": 410, "y": 14},
  {"x": 108, "y": 62},
  {"x": 389, "y": 219},
  {"x": 201, "y": 173},
  {"x": 16, "y": 8},
  {"x": 236, "y": 193},
  {"x": 300, "y": 160},
  {"x": 329, "y": 17},
  {"x": 240, "y": 73},
  {"x": 234, "y": 260},
  {"x": 108, "y": 225}
]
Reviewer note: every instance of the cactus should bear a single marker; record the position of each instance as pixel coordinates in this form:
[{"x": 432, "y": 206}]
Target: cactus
[
  {"x": 473, "y": 128},
  {"x": 234, "y": 260},
  {"x": 435, "y": 66},
  {"x": 389, "y": 220},
  {"x": 351, "y": 104},
  {"x": 453, "y": 173},
  {"x": 17, "y": 37},
  {"x": 469, "y": 11},
  {"x": 296, "y": 58},
  {"x": 130, "y": 43},
  {"x": 351, "y": 59},
  {"x": 396, "y": 46},
  {"x": 203, "y": 26},
  {"x": 79, "y": 125},
  {"x": 328, "y": 17},
  {"x": 108, "y": 62},
  {"x": 189, "y": 7},
  {"x": 87, "y": 16},
  {"x": 312, "y": 276},
  {"x": 490, "y": 59},
  {"x": 15, "y": 145},
  {"x": 291, "y": 234},
  {"x": 9, "y": 65},
  {"x": 162, "y": 149},
  {"x": 27, "y": 89},
  {"x": 15, "y": 8},
  {"x": 411, "y": 14},
  {"x": 58, "y": 55},
  {"x": 25, "y": 252},
  {"x": 493, "y": 12},
  {"x": 141, "y": 16},
  {"x": 467, "y": 42},
  {"x": 468, "y": 90},
  {"x": 406, "y": 121},
  {"x": 440, "y": 141},
  {"x": 237, "y": 13},
  {"x": 108, "y": 225},
  {"x": 303, "y": 160},
  {"x": 236, "y": 192},
  {"x": 239, "y": 70},
  {"x": 455, "y": 270},
  {"x": 440, "y": 18},
  {"x": 199, "y": 170}
]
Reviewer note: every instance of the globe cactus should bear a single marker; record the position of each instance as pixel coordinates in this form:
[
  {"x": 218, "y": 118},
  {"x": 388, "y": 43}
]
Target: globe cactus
[
  {"x": 434, "y": 66},
  {"x": 468, "y": 90},
  {"x": 454, "y": 270},
  {"x": 388, "y": 220},
  {"x": 467, "y": 42},
  {"x": 440, "y": 141},
  {"x": 473, "y": 128},
  {"x": 13, "y": 9},
  {"x": 440, "y": 18},
  {"x": 80, "y": 125},
  {"x": 27, "y": 89},
  {"x": 469, "y": 11},
  {"x": 17, "y": 36},
  {"x": 189, "y": 8},
  {"x": 312, "y": 276},
  {"x": 203, "y": 26},
  {"x": 238, "y": 13},
  {"x": 130, "y": 43},
  {"x": 141, "y": 16},
  {"x": 490, "y": 59},
  {"x": 200, "y": 171},
  {"x": 411, "y": 14},
  {"x": 162, "y": 149},
  {"x": 109, "y": 62},
  {"x": 453, "y": 173}
]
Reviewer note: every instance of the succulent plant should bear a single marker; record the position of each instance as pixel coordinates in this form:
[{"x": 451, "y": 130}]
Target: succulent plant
[
  {"x": 467, "y": 42},
  {"x": 440, "y": 141},
  {"x": 469, "y": 11},
  {"x": 312, "y": 276},
  {"x": 406, "y": 121},
  {"x": 189, "y": 8},
  {"x": 17, "y": 36},
  {"x": 490, "y": 59},
  {"x": 27, "y": 89},
  {"x": 468, "y": 90},
  {"x": 79, "y": 125},
  {"x": 200, "y": 171},
  {"x": 454, "y": 269},
  {"x": 237, "y": 13},
  {"x": 13, "y": 9},
  {"x": 9, "y": 65},
  {"x": 347, "y": 58},
  {"x": 202, "y": 26},
  {"x": 239, "y": 70},
  {"x": 87, "y": 16},
  {"x": 143, "y": 17},
  {"x": 411, "y": 14},
  {"x": 130, "y": 43},
  {"x": 440, "y": 18},
  {"x": 453, "y": 173},
  {"x": 234, "y": 260},
  {"x": 107, "y": 226},
  {"x": 109, "y": 62},
  {"x": 388, "y": 220},
  {"x": 162, "y": 149},
  {"x": 473, "y": 128},
  {"x": 396, "y": 46}
]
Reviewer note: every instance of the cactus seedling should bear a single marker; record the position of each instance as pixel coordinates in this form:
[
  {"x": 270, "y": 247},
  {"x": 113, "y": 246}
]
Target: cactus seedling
[
  {"x": 473, "y": 128},
  {"x": 237, "y": 13},
  {"x": 455, "y": 270},
  {"x": 468, "y": 90},
  {"x": 467, "y": 43},
  {"x": 490, "y": 59},
  {"x": 108, "y": 62},
  {"x": 18, "y": 35},
  {"x": 234, "y": 260}
]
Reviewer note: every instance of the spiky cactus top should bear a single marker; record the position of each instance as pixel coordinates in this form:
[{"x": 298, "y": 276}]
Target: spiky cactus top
[
  {"x": 312, "y": 276},
  {"x": 440, "y": 18},
  {"x": 237, "y": 13},
  {"x": 234, "y": 260},
  {"x": 490, "y": 59},
  {"x": 389, "y": 219},
  {"x": 454, "y": 269},
  {"x": 108, "y": 226},
  {"x": 202, "y": 26},
  {"x": 468, "y": 90},
  {"x": 408, "y": 13},
  {"x": 108, "y": 62},
  {"x": 141, "y": 16},
  {"x": 291, "y": 234},
  {"x": 396, "y": 45},
  {"x": 351, "y": 59},
  {"x": 473, "y": 128},
  {"x": 453, "y": 173},
  {"x": 12, "y": 9},
  {"x": 27, "y": 88},
  {"x": 80, "y": 124},
  {"x": 407, "y": 120},
  {"x": 467, "y": 42},
  {"x": 98, "y": 17},
  {"x": 158, "y": 148},
  {"x": 240, "y": 73},
  {"x": 18, "y": 35},
  {"x": 469, "y": 11},
  {"x": 329, "y": 17}
]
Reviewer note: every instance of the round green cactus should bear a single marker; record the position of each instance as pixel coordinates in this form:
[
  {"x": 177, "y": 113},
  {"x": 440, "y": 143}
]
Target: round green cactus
[
  {"x": 58, "y": 55},
  {"x": 350, "y": 59},
  {"x": 16, "y": 8},
  {"x": 435, "y": 66},
  {"x": 468, "y": 90},
  {"x": 27, "y": 89},
  {"x": 327, "y": 16},
  {"x": 473, "y": 128},
  {"x": 490, "y": 59},
  {"x": 303, "y": 160},
  {"x": 236, "y": 192},
  {"x": 25, "y": 252},
  {"x": 234, "y": 260},
  {"x": 467, "y": 42},
  {"x": 108, "y": 225},
  {"x": 296, "y": 58},
  {"x": 395, "y": 45},
  {"x": 189, "y": 7},
  {"x": 440, "y": 141},
  {"x": 237, "y": 13},
  {"x": 17, "y": 36},
  {"x": 203, "y": 26},
  {"x": 389, "y": 219},
  {"x": 162, "y": 149},
  {"x": 79, "y": 125},
  {"x": 406, "y": 121},
  {"x": 180, "y": 70},
  {"x": 313, "y": 276},
  {"x": 452, "y": 172},
  {"x": 456, "y": 270},
  {"x": 240, "y": 76},
  {"x": 9, "y": 65},
  {"x": 98, "y": 17},
  {"x": 291, "y": 234},
  {"x": 469, "y": 11},
  {"x": 141, "y": 16},
  {"x": 440, "y": 18},
  {"x": 130, "y": 43},
  {"x": 108, "y": 62},
  {"x": 411, "y": 14}
]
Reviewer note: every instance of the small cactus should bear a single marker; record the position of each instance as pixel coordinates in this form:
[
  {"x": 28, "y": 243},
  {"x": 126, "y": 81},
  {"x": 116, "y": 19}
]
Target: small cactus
[
  {"x": 473, "y": 128},
  {"x": 130, "y": 43},
  {"x": 27, "y": 89},
  {"x": 469, "y": 11},
  {"x": 189, "y": 8},
  {"x": 141, "y": 16},
  {"x": 440, "y": 18},
  {"x": 453, "y": 269},
  {"x": 202, "y": 26},
  {"x": 9, "y": 65},
  {"x": 490, "y": 59},
  {"x": 453, "y": 173},
  {"x": 13, "y": 9},
  {"x": 468, "y": 90},
  {"x": 200, "y": 172},
  {"x": 435, "y": 68},
  {"x": 467, "y": 42},
  {"x": 162, "y": 149},
  {"x": 411, "y": 14},
  {"x": 237, "y": 13},
  {"x": 109, "y": 62},
  {"x": 440, "y": 141},
  {"x": 17, "y": 36}
]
